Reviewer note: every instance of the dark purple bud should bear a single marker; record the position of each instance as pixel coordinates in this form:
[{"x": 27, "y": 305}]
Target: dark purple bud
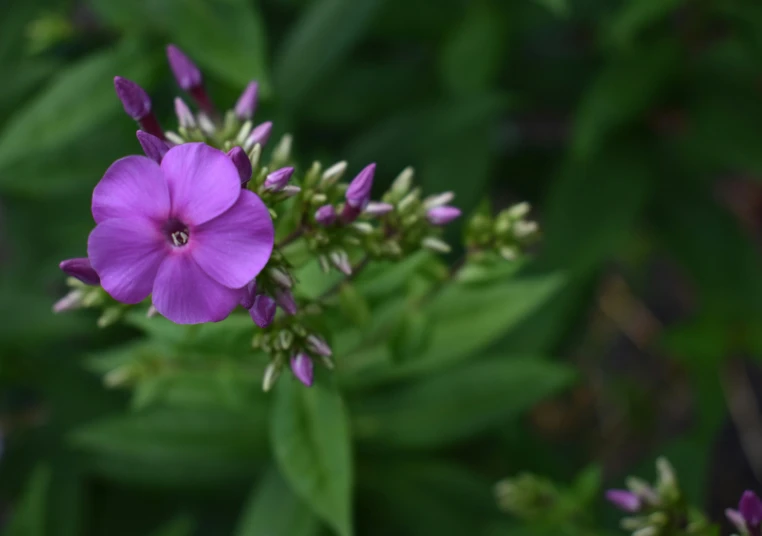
[
  {"x": 242, "y": 163},
  {"x": 247, "y": 102},
  {"x": 442, "y": 215},
  {"x": 378, "y": 209},
  {"x": 184, "y": 114},
  {"x": 625, "y": 500},
  {"x": 301, "y": 366},
  {"x": 249, "y": 292},
  {"x": 263, "y": 310},
  {"x": 186, "y": 73},
  {"x": 318, "y": 345},
  {"x": 136, "y": 102},
  {"x": 750, "y": 508},
  {"x": 81, "y": 269},
  {"x": 259, "y": 135},
  {"x": 286, "y": 300},
  {"x": 153, "y": 147},
  {"x": 358, "y": 193},
  {"x": 325, "y": 215},
  {"x": 278, "y": 179}
]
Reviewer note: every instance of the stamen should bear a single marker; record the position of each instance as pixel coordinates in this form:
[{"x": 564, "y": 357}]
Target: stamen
[{"x": 179, "y": 238}]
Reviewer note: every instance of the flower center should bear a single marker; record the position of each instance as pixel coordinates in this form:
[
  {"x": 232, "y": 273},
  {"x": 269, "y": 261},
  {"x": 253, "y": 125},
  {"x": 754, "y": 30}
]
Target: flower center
[{"x": 177, "y": 233}]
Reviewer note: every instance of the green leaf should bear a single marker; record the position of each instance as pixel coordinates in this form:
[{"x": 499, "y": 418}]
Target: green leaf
[
  {"x": 273, "y": 509},
  {"x": 226, "y": 37},
  {"x": 456, "y": 404},
  {"x": 634, "y": 17},
  {"x": 471, "y": 56},
  {"x": 180, "y": 526},
  {"x": 30, "y": 515},
  {"x": 61, "y": 113},
  {"x": 176, "y": 448},
  {"x": 320, "y": 39},
  {"x": 353, "y": 305},
  {"x": 411, "y": 336},
  {"x": 311, "y": 442}
]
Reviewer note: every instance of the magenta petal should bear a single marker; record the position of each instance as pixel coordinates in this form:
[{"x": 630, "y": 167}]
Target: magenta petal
[
  {"x": 183, "y": 292},
  {"x": 133, "y": 187},
  {"x": 126, "y": 254},
  {"x": 203, "y": 182},
  {"x": 234, "y": 247}
]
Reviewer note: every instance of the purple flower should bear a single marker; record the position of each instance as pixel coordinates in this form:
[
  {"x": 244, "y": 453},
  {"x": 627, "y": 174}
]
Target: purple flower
[
  {"x": 378, "y": 209},
  {"x": 301, "y": 366},
  {"x": 186, "y": 73},
  {"x": 358, "y": 193},
  {"x": 277, "y": 180},
  {"x": 259, "y": 135},
  {"x": 749, "y": 513},
  {"x": 442, "y": 215},
  {"x": 136, "y": 102},
  {"x": 247, "y": 102},
  {"x": 262, "y": 310},
  {"x": 242, "y": 163},
  {"x": 625, "y": 500},
  {"x": 183, "y": 231},
  {"x": 325, "y": 215},
  {"x": 285, "y": 299},
  {"x": 184, "y": 115},
  {"x": 80, "y": 268},
  {"x": 153, "y": 147}
]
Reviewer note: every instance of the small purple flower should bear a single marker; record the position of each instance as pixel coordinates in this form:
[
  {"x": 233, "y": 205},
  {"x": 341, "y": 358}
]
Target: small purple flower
[
  {"x": 358, "y": 193},
  {"x": 626, "y": 501},
  {"x": 442, "y": 215},
  {"x": 262, "y": 310},
  {"x": 278, "y": 179},
  {"x": 80, "y": 268},
  {"x": 184, "y": 114},
  {"x": 259, "y": 135},
  {"x": 247, "y": 102},
  {"x": 378, "y": 209},
  {"x": 186, "y": 73},
  {"x": 750, "y": 510},
  {"x": 136, "y": 102},
  {"x": 183, "y": 231},
  {"x": 153, "y": 147},
  {"x": 318, "y": 346},
  {"x": 325, "y": 215},
  {"x": 301, "y": 366},
  {"x": 242, "y": 163},
  {"x": 285, "y": 299}
]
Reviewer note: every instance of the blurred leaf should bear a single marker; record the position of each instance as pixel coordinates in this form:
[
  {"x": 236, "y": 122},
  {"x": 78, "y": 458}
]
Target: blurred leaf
[
  {"x": 559, "y": 8},
  {"x": 453, "y": 405},
  {"x": 470, "y": 59},
  {"x": 325, "y": 33},
  {"x": 173, "y": 447},
  {"x": 61, "y": 113},
  {"x": 226, "y": 37},
  {"x": 181, "y": 526},
  {"x": 272, "y": 508},
  {"x": 30, "y": 515},
  {"x": 621, "y": 93},
  {"x": 310, "y": 439},
  {"x": 353, "y": 305},
  {"x": 634, "y": 17},
  {"x": 411, "y": 336}
]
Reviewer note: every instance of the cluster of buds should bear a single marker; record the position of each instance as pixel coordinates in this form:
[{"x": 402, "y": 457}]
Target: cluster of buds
[
  {"x": 659, "y": 509},
  {"x": 508, "y": 233}
]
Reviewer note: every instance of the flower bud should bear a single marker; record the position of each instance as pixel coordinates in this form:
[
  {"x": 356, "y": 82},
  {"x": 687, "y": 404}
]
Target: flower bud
[
  {"x": 184, "y": 115},
  {"x": 153, "y": 147},
  {"x": 186, "y": 73},
  {"x": 302, "y": 367},
  {"x": 340, "y": 260},
  {"x": 325, "y": 215},
  {"x": 404, "y": 181},
  {"x": 442, "y": 215},
  {"x": 259, "y": 135},
  {"x": 317, "y": 345},
  {"x": 290, "y": 190},
  {"x": 262, "y": 311},
  {"x": 272, "y": 373},
  {"x": 277, "y": 180},
  {"x": 358, "y": 193},
  {"x": 626, "y": 501},
  {"x": 286, "y": 301},
  {"x": 282, "y": 151},
  {"x": 518, "y": 210},
  {"x": 242, "y": 163},
  {"x": 438, "y": 200},
  {"x": 81, "y": 269},
  {"x": 247, "y": 102},
  {"x": 378, "y": 209},
  {"x": 248, "y": 293},
  {"x": 333, "y": 173},
  {"x": 435, "y": 244},
  {"x": 281, "y": 278},
  {"x": 73, "y": 300},
  {"x": 136, "y": 102}
]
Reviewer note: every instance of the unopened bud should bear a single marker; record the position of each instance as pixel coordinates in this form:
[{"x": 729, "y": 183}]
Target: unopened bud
[
  {"x": 278, "y": 179},
  {"x": 286, "y": 300},
  {"x": 187, "y": 75},
  {"x": 442, "y": 215},
  {"x": 341, "y": 261},
  {"x": 153, "y": 147},
  {"x": 378, "y": 209},
  {"x": 135, "y": 100},
  {"x": 358, "y": 193},
  {"x": 70, "y": 302},
  {"x": 281, "y": 278},
  {"x": 333, "y": 174},
  {"x": 317, "y": 345},
  {"x": 519, "y": 211},
  {"x": 435, "y": 244},
  {"x": 259, "y": 135},
  {"x": 242, "y": 163},
  {"x": 262, "y": 311},
  {"x": 247, "y": 102},
  {"x": 302, "y": 367},
  {"x": 184, "y": 115},
  {"x": 438, "y": 200},
  {"x": 272, "y": 373},
  {"x": 325, "y": 215},
  {"x": 282, "y": 151},
  {"x": 404, "y": 181},
  {"x": 81, "y": 269}
]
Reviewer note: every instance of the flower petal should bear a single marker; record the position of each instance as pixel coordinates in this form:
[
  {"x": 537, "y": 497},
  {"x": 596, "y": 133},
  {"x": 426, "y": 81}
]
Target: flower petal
[
  {"x": 234, "y": 247},
  {"x": 203, "y": 182},
  {"x": 133, "y": 187},
  {"x": 184, "y": 293},
  {"x": 126, "y": 254}
]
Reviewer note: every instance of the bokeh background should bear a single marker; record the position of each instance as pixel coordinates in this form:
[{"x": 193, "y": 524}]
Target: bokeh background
[{"x": 634, "y": 128}]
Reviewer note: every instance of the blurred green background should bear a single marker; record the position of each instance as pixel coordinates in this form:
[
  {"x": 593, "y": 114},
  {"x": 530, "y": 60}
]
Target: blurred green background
[{"x": 633, "y": 127}]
